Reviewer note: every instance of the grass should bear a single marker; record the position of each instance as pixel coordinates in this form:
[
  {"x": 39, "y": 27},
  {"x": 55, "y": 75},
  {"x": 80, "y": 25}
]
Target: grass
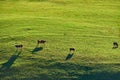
[{"x": 90, "y": 26}]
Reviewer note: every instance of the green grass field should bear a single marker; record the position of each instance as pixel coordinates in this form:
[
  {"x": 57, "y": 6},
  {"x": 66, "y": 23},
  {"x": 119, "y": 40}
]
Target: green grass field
[{"x": 90, "y": 26}]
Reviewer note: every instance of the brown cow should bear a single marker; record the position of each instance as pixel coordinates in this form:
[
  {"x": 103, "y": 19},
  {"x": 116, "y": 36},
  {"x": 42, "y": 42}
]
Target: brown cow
[
  {"x": 72, "y": 49},
  {"x": 115, "y": 45},
  {"x": 19, "y": 46},
  {"x": 41, "y": 41}
]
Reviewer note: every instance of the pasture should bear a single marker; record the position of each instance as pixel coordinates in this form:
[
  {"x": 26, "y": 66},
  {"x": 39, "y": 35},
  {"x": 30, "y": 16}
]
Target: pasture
[{"x": 89, "y": 26}]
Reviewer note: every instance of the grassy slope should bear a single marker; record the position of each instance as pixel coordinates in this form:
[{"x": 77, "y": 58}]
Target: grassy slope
[{"x": 90, "y": 26}]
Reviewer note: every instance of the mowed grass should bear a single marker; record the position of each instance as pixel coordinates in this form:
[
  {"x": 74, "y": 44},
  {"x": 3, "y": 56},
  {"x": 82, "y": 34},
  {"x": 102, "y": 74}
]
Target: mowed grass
[{"x": 90, "y": 26}]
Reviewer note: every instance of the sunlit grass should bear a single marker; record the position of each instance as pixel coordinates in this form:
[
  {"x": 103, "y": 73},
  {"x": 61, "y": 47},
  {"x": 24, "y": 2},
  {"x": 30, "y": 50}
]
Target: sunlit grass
[{"x": 90, "y": 26}]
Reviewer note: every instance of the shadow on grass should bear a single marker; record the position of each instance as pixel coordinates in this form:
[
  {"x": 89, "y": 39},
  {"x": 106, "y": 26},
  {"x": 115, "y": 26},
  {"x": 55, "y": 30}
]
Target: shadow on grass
[
  {"x": 37, "y": 49},
  {"x": 101, "y": 76},
  {"x": 114, "y": 47},
  {"x": 0, "y": 50},
  {"x": 11, "y": 60},
  {"x": 91, "y": 76},
  {"x": 69, "y": 56},
  {"x": 70, "y": 71},
  {"x": 66, "y": 66},
  {"x": 40, "y": 77}
]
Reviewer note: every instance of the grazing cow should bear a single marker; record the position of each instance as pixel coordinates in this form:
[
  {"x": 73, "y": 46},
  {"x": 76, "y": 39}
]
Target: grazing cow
[
  {"x": 115, "y": 45},
  {"x": 72, "y": 49},
  {"x": 41, "y": 41},
  {"x": 19, "y": 46}
]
